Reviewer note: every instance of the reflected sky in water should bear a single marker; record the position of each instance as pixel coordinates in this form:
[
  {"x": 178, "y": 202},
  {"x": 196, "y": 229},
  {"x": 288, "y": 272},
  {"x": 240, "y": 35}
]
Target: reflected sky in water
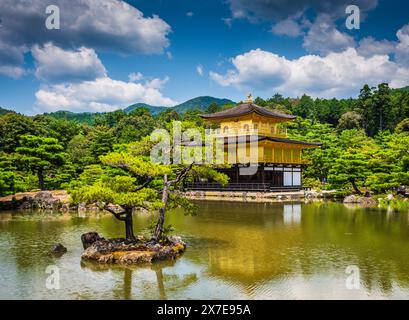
[{"x": 235, "y": 251}]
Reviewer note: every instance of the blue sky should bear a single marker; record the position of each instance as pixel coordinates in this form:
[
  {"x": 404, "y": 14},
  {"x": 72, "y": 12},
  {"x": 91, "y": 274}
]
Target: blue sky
[{"x": 109, "y": 54}]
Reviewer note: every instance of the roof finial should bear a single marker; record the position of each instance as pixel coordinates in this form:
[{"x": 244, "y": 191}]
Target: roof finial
[{"x": 249, "y": 99}]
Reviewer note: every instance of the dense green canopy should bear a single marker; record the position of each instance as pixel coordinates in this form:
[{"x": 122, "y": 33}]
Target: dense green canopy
[{"x": 365, "y": 142}]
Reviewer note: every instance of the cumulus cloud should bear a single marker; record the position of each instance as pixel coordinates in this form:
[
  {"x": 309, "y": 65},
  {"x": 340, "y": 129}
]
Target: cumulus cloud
[
  {"x": 324, "y": 37},
  {"x": 288, "y": 27},
  {"x": 111, "y": 26},
  {"x": 369, "y": 46},
  {"x": 157, "y": 83},
  {"x": 402, "y": 48},
  {"x": 334, "y": 75},
  {"x": 54, "y": 64},
  {"x": 11, "y": 71},
  {"x": 199, "y": 70},
  {"x": 101, "y": 94},
  {"x": 290, "y": 19},
  {"x": 277, "y": 10},
  {"x": 135, "y": 76},
  {"x": 11, "y": 60}
]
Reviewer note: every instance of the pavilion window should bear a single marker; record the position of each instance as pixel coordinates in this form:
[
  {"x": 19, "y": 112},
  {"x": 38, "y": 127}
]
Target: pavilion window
[
  {"x": 246, "y": 128},
  {"x": 226, "y": 129}
]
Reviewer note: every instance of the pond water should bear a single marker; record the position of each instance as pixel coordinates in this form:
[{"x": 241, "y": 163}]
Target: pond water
[{"x": 235, "y": 251}]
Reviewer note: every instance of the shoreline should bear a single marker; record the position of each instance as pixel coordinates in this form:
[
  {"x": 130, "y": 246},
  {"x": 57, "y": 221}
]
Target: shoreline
[
  {"x": 260, "y": 197},
  {"x": 60, "y": 200}
]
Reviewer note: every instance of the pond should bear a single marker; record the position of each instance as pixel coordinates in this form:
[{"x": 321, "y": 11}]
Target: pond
[{"x": 235, "y": 251}]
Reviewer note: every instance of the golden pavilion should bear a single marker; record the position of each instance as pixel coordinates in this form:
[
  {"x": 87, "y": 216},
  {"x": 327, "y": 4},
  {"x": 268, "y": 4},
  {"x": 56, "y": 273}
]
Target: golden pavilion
[{"x": 262, "y": 134}]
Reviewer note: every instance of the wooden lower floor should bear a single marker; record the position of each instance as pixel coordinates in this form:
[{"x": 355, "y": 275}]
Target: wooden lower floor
[{"x": 264, "y": 178}]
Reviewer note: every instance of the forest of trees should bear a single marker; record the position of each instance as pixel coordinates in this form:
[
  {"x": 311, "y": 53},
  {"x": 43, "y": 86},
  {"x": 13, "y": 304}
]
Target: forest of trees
[{"x": 365, "y": 141}]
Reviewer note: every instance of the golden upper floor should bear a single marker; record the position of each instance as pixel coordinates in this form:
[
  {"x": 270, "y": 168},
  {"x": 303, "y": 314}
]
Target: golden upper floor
[
  {"x": 249, "y": 119},
  {"x": 265, "y": 128}
]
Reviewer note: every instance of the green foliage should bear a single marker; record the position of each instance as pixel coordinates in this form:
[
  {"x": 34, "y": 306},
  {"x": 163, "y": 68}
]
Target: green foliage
[
  {"x": 402, "y": 126},
  {"x": 7, "y": 175},
  {"x": 372, "y": 129},
  {"x": 12, "y": 127},
  {"x": 79, "y": 151},
  {"x": 5, "y": 111},
  {"x": 351, "y": 167},
  {"x": 39, "y": 154},
  {"x": 101, "y": 141},
  {"x": 140, "y": 123},
  {"x": 350, "y": 120}
]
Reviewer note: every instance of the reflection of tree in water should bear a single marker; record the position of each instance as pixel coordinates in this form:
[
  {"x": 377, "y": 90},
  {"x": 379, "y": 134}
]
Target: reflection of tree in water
[{"x": 163, "y": 282}]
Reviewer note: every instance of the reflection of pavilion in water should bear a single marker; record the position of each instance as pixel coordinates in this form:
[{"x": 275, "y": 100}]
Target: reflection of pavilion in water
[
  {"x": 309, "y": 243},
  {"x": 292, "y": 213},
  {"x": 255, "y": 245},
  {"x": 252, "y": 255}
]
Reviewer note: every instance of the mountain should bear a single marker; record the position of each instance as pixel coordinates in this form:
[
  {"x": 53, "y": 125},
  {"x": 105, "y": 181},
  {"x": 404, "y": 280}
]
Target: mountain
[
  {"x": 4, "y": 111},
  {"x": 404, "y": 89},
  {"x": 201, "y": 103},
  {"x": 153, "y": 109}
]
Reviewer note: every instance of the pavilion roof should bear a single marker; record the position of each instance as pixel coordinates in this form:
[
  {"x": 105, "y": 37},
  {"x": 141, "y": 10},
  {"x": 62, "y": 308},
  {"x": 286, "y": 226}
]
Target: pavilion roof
[{"x": 245, "y": 109}]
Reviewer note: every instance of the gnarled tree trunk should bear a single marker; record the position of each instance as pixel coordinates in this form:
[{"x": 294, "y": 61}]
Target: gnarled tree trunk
[
  {"x": 355, "y": 187},
  {"x": 157, "y": 234},
  {"x": 40, "y": 176},
  {"x": 126, "y": 217},
  {"x": 129, "y": 226}
]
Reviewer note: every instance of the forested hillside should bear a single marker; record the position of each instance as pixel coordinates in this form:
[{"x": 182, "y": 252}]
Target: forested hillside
[{"x": 365, "y": 141}]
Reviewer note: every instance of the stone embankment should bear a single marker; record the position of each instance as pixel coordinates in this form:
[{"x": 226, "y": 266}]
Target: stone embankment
[{"x": 249, "y": 196}]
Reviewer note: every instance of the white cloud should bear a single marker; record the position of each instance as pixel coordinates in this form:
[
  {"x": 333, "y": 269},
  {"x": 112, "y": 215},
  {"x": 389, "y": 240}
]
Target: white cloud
[
  {"x": 402, "y": 48},
  {"x": 12, "y": 71},
  {"x": 288, "y": 27},
  {"x": 135, "y": 76},
  {"x": 101, "y": 94},
  {"x": 11, "y": 59},
  {"x": 54, "y": 64},
  {"x": 189, "y": 14},
  {"x": 277, "y": 10},
  {"x": 334, "y": 75},
  {"x": 369, "y": 46},
  {"x": 157, "y": 83},
  {"x": 113, "y": 26},
  {"x": 199, "y": 70},
  {"x": 324, "y": 37}
]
